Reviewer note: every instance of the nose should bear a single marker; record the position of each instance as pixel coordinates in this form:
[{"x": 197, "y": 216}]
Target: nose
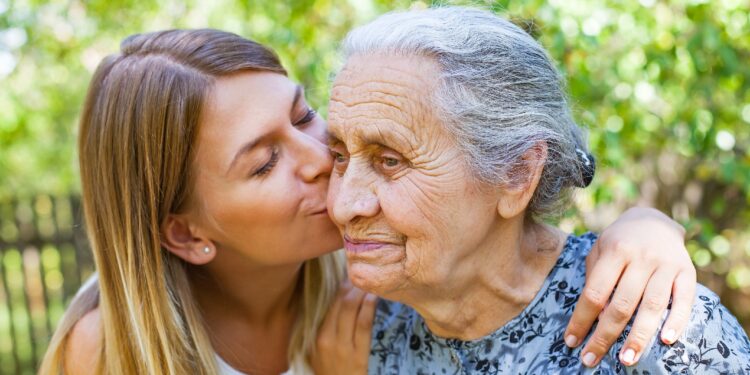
[
  {"x": 313, "y": 157},
  {"x": 352, "y": 196}
]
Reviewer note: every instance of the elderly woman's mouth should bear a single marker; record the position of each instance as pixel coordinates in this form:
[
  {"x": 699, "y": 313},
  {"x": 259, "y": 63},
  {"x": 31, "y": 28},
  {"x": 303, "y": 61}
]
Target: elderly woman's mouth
[{"x": 360, "y": 245}]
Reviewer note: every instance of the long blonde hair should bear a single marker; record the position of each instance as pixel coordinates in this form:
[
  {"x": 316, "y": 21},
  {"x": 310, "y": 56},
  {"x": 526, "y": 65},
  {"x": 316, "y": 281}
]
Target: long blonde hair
[{"x": 137, "y": 135}]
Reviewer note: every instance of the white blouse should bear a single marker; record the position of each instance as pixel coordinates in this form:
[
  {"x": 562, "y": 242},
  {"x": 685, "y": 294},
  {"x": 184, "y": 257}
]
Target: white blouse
[{"x": 296, "y": 368}]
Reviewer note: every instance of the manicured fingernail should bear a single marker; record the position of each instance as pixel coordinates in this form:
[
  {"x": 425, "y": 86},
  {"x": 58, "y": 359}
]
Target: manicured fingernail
[
  {"x": 669, "y": 336},
  {"x": 628, "y": 357},
  {"x": 571, "y": 341},
  {"x": 589, "y": 359}
]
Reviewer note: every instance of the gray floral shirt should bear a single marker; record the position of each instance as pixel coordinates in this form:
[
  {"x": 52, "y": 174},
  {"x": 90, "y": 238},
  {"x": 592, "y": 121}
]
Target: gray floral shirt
[{"x": 532, "y": 342}]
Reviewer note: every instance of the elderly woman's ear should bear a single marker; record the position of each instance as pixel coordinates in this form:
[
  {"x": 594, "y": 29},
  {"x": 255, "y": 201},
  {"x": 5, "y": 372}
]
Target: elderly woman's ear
[{"x": 524, "y": 178}]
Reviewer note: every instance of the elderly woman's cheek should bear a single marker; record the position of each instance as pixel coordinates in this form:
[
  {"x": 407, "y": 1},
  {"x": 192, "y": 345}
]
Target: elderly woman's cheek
[{"x": 426, "y": 198}]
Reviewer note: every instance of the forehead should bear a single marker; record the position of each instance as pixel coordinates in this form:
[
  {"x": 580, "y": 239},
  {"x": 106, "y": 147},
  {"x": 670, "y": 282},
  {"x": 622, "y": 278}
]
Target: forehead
[
  {"x": 239, "y": 108},
  {"x": 384, "y": 91},
  {"x": 258, "y": 95}
]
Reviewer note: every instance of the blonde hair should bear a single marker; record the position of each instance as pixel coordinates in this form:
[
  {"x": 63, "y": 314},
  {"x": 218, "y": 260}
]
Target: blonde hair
[{"x": 137, "y": 135}]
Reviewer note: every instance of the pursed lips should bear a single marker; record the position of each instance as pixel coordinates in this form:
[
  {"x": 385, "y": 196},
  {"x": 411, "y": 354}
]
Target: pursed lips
[
  {"x": 315, "y": 207},
  {"x": 323, "y": 211}
]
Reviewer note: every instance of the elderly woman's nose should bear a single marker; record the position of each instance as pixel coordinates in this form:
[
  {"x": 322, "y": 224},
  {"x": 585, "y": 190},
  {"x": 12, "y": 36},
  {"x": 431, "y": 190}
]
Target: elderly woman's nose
[
  {"x": 354, "y": 199},
  {"x": 313, "y": 157}
]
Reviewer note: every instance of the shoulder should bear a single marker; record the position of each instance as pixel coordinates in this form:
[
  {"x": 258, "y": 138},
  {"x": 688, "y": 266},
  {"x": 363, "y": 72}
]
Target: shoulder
[
  {"x": 581, "y": 245},
  {"x": 83, "y": 344},
  {"x": 391, "y": 330},
  {"x": 568, "y": 275},
  {"x": 713, "y": 341}
]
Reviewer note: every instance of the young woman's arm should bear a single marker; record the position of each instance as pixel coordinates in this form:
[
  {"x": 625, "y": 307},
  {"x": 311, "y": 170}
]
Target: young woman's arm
[{"x": 643, "y": 255}]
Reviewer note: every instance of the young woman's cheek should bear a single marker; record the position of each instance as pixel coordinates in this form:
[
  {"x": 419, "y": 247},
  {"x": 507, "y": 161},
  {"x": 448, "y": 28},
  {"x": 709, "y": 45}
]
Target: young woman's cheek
[{"x": 334, "y": 185}]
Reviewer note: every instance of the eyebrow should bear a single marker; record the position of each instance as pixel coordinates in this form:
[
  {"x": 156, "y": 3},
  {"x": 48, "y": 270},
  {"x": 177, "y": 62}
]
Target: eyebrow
[
  {"x": 332, "y": 137},
  {"x": 247, "y": 147},
  {"x": 381, "y": 139}
]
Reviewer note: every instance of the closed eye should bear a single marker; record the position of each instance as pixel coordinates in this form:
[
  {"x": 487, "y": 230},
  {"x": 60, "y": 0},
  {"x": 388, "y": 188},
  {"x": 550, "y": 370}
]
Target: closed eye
[
  {"x": 309, "y": 116},
  {"x": 266, "y": 168}
]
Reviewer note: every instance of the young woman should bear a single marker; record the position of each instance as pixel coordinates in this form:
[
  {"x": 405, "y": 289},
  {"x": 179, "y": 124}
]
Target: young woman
[{"x": 204, "y": 177}]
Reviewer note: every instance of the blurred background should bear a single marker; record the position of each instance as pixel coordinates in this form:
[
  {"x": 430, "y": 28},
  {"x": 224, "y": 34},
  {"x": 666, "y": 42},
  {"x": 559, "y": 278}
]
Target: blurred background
[{"x": 663, "y": 87}]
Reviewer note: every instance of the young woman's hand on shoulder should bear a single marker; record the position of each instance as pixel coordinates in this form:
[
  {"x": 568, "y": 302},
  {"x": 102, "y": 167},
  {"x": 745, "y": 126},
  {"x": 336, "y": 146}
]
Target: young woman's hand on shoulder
[
  {"x": 642, "y": 254},
  {"x": 84, "y": 344},
  {"x": 343, "y": 342}
]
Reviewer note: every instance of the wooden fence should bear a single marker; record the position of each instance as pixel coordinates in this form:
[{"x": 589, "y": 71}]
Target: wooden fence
[{"x": 44, "y": 257}]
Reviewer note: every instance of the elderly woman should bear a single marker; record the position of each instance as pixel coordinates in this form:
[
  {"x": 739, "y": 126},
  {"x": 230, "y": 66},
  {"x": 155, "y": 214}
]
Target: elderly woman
[{"x": 452, "y": 141}]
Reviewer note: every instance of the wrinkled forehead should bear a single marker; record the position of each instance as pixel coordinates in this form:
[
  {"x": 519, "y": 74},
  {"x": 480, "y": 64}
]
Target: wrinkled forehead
[{"x": 384, "y": 91}]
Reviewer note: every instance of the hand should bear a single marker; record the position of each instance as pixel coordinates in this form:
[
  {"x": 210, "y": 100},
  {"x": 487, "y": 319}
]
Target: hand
[
  {"x": 343, "y": 343},
  {"x": 643, "y": 253}
]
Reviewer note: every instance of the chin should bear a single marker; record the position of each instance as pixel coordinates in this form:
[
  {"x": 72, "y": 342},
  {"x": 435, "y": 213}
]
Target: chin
[{"x": 379, "y": 280}]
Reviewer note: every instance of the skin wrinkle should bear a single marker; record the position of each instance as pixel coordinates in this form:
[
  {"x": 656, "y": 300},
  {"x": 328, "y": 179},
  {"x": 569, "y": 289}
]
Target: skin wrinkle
[
  {"x": 426, "y": 196},
  {"x": 454, "y": 241},
  {"x": 417, "y": 156},
  {"x": 493, "y": 74},
  {"x": 391, "y": 75},
  {"x": 437, "y": 141},
  {"x": 417, "y": 114},
  {"x": 376, "y": 94},
  {"x": 411, "y": 264},
  {"x": 389, "y": 78},
  {"x": 364, "y": 110},
  {"x": 367, "y": 137}
]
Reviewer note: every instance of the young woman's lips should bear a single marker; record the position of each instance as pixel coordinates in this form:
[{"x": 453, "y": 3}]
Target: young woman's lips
[{"x": 359, "y": 246}]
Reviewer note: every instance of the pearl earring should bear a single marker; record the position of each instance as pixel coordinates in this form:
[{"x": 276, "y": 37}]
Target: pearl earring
[{"x": 206, "y": 250}]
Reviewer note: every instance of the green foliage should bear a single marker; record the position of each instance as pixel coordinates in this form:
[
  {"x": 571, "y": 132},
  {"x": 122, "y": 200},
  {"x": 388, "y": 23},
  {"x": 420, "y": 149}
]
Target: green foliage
[{"x": 663, "y": 87}]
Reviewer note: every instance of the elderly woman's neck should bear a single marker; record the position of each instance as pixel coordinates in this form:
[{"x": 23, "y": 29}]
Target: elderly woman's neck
[{"x": 503, "y": 277}]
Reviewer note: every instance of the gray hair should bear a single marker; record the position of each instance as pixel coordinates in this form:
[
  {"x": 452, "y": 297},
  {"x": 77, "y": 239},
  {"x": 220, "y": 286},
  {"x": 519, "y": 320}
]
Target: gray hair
[{"x": 499, "y": 92}]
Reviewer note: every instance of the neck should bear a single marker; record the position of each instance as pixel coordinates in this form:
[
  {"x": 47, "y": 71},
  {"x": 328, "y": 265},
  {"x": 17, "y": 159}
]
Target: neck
[
  {"x": 232, "y": 286},
  {"x": 249, "y": 310},
  {"x": 493, "y": 285}
]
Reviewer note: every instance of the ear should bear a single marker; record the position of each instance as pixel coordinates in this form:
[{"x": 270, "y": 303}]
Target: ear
[
  {"x": 524, "y": 178},
  {"x": 182, "y": 238}
]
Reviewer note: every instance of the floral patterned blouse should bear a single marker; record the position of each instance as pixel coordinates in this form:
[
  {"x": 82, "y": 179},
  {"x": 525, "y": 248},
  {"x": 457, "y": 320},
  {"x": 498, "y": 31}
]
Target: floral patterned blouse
[{"x": 532, "y": 342}]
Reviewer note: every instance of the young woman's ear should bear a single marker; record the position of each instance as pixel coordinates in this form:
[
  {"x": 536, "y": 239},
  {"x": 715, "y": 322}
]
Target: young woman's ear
[
  {"x": 181, "y": 239},
  {"x": 525, "y": 176}
]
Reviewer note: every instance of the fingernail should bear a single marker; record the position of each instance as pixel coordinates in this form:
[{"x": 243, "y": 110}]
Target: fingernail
[
  {"x": 589, "y": 359},
  {"x": 571, "y": 341},
  {"x": 628, "y": 357},
  {"x": 669, "y": 336}
]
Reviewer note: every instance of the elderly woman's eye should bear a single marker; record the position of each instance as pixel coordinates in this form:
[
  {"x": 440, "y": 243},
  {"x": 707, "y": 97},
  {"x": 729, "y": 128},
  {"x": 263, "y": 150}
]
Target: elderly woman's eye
[
  {"x": 391, "y": 162},
  {"x": 340, "y": 158}
]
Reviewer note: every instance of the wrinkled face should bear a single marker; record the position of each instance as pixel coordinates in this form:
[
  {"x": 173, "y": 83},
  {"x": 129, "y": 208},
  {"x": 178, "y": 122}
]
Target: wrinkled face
[
  {"x": 400, "y": 190},
  {"x": 262, "y": 171}
]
